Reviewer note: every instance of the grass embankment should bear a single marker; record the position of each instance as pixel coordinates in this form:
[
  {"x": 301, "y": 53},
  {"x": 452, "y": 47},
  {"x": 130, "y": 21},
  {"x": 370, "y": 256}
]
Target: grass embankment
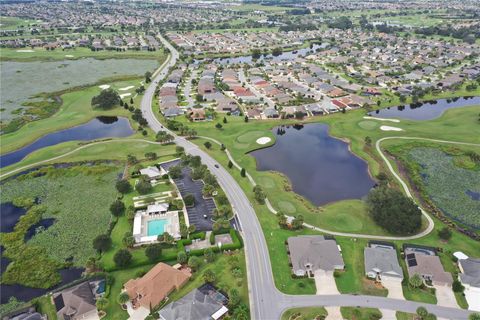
[
  {"x": 27, "y": 54},
  {"x": 456, "y": 124}
]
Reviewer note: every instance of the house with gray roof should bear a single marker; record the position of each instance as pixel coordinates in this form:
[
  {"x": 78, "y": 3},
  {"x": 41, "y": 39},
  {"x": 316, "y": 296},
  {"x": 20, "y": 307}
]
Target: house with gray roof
[
  {"x": 77, "y": 302},
  {"x": 381, "y": 262},
  {"x": 470, "y": 269},
  {"x": 311, "y": 253},
  {"x": 470, "y": 279},
  {"x": 199, "y": 304}
]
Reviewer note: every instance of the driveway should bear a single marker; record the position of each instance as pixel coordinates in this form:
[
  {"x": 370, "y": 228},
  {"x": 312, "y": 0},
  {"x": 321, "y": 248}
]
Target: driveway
[
  {"x": 445, "y": 296},
  {"x": 394, "y": 287},
  {"x": 473, "y": 298},
  {"x": 325, "y": 283}
]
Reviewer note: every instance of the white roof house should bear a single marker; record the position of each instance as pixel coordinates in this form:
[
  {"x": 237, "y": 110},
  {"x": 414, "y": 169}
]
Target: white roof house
[
  {"x": 157, "y": 208},
  {"x": 153, "y": 172}
]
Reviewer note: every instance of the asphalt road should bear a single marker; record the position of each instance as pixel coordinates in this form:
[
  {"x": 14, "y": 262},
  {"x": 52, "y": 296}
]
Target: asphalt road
[{"x": 266, "y": 302}]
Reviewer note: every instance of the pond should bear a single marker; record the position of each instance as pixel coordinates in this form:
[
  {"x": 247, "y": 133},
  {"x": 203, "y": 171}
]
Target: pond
[
  {"x": 425, "y": 111},
  {"x": 320, "y": 168},
  {"x": 23, "y": 293},
  {"x": 100, "y": 127},
  {"x": 22, "y": 80},
  {"x": 9, "y": 215},
  {"x": 285, "y": 56}
]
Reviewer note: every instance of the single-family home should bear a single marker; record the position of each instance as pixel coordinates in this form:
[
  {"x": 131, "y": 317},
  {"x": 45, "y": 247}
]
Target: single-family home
[
  {"x": 151, "y": 289},
  {"x": 204, "y": 303},
  {"x": 311, "y": 253},
  {"x": 470, "y": 279},
  {"x": 381, "y": 262},
  {"x": 75, "y": 303},
  {"x": 427, "y": 264}
]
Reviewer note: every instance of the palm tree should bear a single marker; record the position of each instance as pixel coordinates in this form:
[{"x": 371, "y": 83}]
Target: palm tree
[{"x": 123, "y": 298}]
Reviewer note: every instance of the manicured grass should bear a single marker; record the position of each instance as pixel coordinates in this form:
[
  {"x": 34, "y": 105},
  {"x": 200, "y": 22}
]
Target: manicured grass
[
  {"x": 77, "y": 53},
  {"x": 76, "y": 109},
  {"x": 353, "y": 279},
  {"x": 225, "y": 279},
  {"x": 304, "y": 313},
  {"x": 12, "y": 23},
  {"x": 351, "y": 313},
  {"x": 405, "y": 316},
  {"x": 116, "y": 149},
  {"x": 45, "y": 306}
]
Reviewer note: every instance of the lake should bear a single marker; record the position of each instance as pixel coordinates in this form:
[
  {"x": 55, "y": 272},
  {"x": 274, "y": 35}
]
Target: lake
[
  {"x": 100, "y": 127},
  {"x": 425, "y": 111},
  {"x": 319, "y": 167},
  {"x": 22, "y": 80}
]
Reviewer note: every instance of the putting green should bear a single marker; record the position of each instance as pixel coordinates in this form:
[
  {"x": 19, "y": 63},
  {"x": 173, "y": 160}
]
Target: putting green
[
  {"x": 286, "y": 207},
  {"x": 368, "y": 124},
  {"x": 250, "y": 136},
  {"x": 266, "y": 182}
]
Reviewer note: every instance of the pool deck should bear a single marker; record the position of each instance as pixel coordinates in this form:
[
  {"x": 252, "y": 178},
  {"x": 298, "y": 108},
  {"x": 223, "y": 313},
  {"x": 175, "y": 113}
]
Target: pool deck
[{"x": 140, "y": 226}]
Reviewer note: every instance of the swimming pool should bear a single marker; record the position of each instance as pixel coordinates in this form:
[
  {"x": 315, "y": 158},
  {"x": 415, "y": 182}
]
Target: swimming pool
[{"x": 156, "y": 227}]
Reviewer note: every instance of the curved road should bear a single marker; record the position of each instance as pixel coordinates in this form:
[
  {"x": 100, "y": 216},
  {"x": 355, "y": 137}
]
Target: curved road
[{"x": 266, "y": 302}]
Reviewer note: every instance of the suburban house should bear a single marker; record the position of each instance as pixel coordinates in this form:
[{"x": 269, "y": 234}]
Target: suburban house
[
  {"x": 381, "y": 262},
  {"x": 204, "y": 303},
  {"x": 470, "y": 279},
  {"x": 77, "y": 302},
  {"x": 427, "y": 264},
  {"x": 311, "y": 253},
  {"x": 148, "y": 291}
]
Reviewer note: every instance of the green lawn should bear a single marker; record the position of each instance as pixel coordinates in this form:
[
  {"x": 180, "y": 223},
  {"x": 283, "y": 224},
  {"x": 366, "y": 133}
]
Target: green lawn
[
  {"x": 353, "y": 279},
  {"x": 13, "y": 23},
  {"x": 351, "y": 313},
  {"x": 76, "y": 53},
  {"x": 304, "y": 313},
  {"x": 45, "y": 306}
]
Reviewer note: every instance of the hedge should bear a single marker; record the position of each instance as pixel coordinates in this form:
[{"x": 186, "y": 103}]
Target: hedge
[{"x": 198, "y": 235}]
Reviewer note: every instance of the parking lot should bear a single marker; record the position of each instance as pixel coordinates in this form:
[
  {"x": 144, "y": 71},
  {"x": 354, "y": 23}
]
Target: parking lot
[{"x": 203, "y": 207}]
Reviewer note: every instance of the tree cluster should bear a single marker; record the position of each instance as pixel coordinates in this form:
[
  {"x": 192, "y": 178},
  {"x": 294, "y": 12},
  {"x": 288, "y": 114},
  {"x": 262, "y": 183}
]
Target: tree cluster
[{"x": 393, "y": 211}]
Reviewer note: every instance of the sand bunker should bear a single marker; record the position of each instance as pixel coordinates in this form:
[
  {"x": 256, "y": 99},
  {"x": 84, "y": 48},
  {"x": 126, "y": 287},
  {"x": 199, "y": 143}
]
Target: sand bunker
[
  {"x": 25, "y": 50},
  {"x": 388, "y": 128},
  {"x": 123, "y": 95},
  {"x": 126, "y": 88},
  {"x": 381, "y": 119},
  {"x": 104, "y": 86},
  {"x": 263, "y": 140}
]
